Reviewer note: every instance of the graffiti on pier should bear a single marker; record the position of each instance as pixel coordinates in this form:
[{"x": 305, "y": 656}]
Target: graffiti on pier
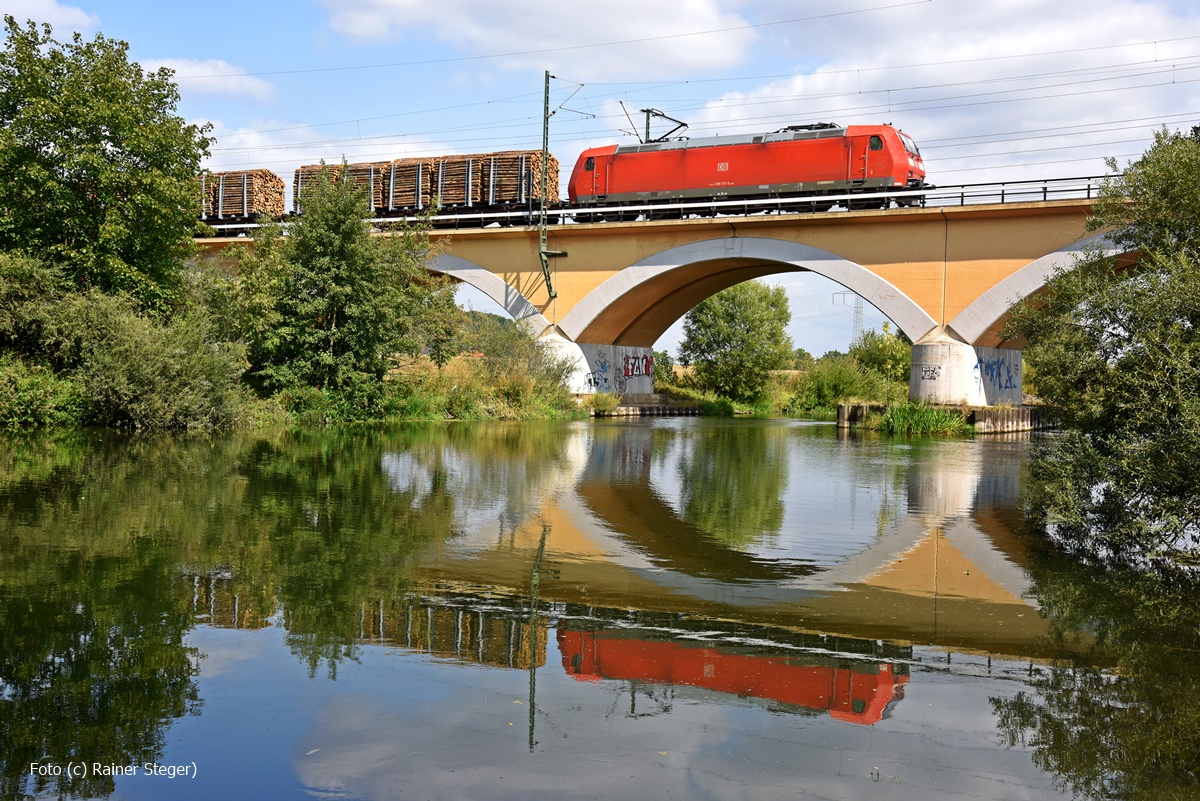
[
  {"x": 619, "y": 369},
  {"x": 931, "y": 372},
  {"x": 599, "y": 379},
  {"x": 634, "y": 366},
  {"x": 1000, "y": 373}
]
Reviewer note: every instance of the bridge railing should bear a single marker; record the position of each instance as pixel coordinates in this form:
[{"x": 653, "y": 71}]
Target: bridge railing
[
  {"x": 1016, "y": 191},
  {"x": 935, "y": 196}
]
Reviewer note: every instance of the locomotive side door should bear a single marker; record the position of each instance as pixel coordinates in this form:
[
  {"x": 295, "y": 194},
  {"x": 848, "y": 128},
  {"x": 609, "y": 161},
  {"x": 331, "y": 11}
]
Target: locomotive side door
[
  {"x": 866, "y": 157},
  {"x": 590, "y": 180},
  {"x": 857, "y": 160}
]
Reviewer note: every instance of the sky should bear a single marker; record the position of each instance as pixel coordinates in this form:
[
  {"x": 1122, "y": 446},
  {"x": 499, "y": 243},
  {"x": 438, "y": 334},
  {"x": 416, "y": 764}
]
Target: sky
[{"x": 991, "y": 91}]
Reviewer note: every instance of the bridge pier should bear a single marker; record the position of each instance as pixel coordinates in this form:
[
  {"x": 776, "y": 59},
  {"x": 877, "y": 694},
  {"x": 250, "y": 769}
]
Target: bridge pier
[
  {"x": 946, "y": 370},
  {"x": 618, "y": 369}
]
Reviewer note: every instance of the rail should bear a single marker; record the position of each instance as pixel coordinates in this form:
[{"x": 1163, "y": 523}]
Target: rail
[{"x": 934, "y": 196}]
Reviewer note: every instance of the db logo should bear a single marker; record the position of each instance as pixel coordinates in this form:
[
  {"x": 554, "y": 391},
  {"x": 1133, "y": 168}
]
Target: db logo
[{"x": 722, "y": 166}]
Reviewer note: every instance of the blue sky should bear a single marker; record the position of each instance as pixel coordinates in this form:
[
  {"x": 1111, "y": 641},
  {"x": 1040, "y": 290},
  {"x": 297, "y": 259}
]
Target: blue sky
[{"x": 991, "y": 91}]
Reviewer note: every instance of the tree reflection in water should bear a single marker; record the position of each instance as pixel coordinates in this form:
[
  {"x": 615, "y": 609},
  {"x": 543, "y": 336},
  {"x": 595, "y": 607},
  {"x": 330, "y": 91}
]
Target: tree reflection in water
[
  {"x": 1124, "y": 721},
  {"x": 92, "y": 660},
  {"x": 733, "y": 482},
  {"x": 112, "y": 548}
]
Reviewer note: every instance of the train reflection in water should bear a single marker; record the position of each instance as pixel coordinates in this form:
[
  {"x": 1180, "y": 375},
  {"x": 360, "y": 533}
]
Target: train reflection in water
[
  {"x": 858, "y": 681},
  {"x": 856, "y": 691},
  {"x": 791, "y": 671}
]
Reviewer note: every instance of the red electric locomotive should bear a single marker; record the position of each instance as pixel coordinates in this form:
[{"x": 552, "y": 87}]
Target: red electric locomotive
[{"x": 819, "y": 159}]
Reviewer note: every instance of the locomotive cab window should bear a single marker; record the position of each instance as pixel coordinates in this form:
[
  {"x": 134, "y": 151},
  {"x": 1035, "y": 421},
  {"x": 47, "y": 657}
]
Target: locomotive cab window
[
  {"x": 876, "y": 143},
  {"x": 590, "y": 164}
]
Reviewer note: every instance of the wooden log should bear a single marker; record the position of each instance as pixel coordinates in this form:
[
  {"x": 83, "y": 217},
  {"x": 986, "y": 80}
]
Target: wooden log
[
  {"x": 241, "y": 193},
  {"x": 367, "y": 175}
]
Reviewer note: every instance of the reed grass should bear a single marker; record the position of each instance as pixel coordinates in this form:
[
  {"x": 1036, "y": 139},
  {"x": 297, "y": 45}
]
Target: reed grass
[{"x": 919, "y": 419}]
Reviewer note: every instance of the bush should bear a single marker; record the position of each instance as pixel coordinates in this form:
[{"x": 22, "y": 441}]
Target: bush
[
  {"x": 137, "y": 373},
  {"x": 886, "y": 353},
  {"x": 835, "y": 380},
  {"x": 919, "y": 419},
  {"x": 33, "y": 396},
  {"x": 602, "y": 402}
]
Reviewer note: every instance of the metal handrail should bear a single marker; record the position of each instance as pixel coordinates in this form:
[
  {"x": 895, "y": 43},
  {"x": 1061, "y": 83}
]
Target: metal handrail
[{"x": 1001, "y": 192}]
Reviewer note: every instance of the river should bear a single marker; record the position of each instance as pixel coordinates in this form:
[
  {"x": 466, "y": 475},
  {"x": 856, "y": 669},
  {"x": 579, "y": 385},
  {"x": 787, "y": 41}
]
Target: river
[{"x": 667, "y": 608}]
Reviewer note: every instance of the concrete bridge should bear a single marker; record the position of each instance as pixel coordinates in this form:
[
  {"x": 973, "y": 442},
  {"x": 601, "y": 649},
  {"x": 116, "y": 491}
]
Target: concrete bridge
[{"x": 944, "y": 275}]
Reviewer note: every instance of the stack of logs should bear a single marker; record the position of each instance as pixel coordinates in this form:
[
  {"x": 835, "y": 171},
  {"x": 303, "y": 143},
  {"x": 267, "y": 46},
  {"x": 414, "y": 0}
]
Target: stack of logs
[
  {"x": 366, "y": 174},
  {"x": 241, "y": 193},
  {"x": 482, "y": 179}
]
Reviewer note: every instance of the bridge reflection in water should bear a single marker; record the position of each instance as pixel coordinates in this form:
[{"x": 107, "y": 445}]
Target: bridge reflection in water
[
  {"x": 791, "y": 526},
  {"x": 702, "y": 555}
]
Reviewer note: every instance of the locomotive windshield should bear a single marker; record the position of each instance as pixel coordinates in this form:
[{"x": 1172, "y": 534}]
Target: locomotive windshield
[{"x": 909, "y": 144}]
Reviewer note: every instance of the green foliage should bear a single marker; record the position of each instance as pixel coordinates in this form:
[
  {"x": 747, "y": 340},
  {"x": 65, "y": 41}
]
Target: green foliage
[
  {"x": 601, "y": 402},
  {"x": 34, "y": 396},
  {"x": 1123, "y": 732},
  {"x": 1152, "y": 205},
  {"x": 28, "y": 289},
  {"x": 833, "y": 380},
  {"x": 1117, "y": 357},
  {"x": 139, "y": 373},
  {"x": 886, "y": 353},
  {"x": 919, "y": 419},
  {"x": 517, "y": 372},
  {"x": 97, "y": 171},
  {"x": 664, "y": 369},
  {"x": 736, "y": 338},
  {"x": 333, "y": 307},
  {"x": 72, "y": 358},
  {"x": 802, "y": 359}
]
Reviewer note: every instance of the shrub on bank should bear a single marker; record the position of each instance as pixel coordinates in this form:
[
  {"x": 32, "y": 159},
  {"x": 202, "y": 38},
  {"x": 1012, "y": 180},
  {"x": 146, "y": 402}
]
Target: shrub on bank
[
  {"x": 136, "y": 372},
  {"x": 831, "y": 381},
  {"x": 32, "y": 396},
  {"x": 601, "y": 402}
]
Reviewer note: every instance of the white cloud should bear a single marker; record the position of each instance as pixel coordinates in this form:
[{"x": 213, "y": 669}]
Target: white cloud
[
  {"x": 213, "y": 77},
  {"x": 484, "y": 27},
  {"x": 58, "y": 15},
  {"x": 989, "y": 76}
]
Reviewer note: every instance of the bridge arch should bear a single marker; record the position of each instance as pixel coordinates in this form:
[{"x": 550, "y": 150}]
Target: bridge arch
[
  {"x": 495, "y": 287},
  {"x": 981, "y": 322},
  {"x": 635, "y": 306}
]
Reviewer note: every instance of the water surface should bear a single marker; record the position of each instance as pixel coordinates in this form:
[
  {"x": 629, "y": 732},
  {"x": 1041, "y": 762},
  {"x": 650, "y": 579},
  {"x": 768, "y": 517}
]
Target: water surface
[{"x": 675, "y": 608}]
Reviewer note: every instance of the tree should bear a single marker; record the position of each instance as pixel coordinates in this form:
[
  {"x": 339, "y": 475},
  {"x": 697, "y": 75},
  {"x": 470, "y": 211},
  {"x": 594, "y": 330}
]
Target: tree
[
  {"x": 886, "y": 353},
  {"x": 333, "y": 307},
  {"x": 736, "y": 338},
  {"x": 1117, "y": 354},
  {"x": 97, "y": 172}
]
